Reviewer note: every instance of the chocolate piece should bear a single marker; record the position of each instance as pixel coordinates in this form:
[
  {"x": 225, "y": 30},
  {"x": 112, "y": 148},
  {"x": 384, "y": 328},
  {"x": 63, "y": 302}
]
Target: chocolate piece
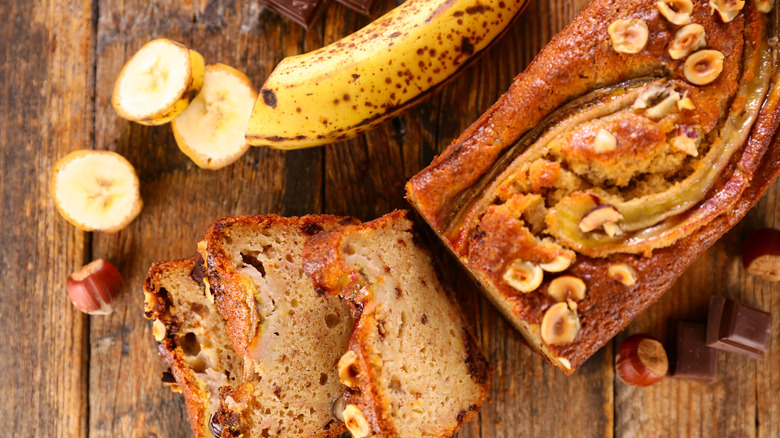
[
  {"x": 303, "y": 12},
  {"x": 365, "y": 7},
  {"x": 692, "y": 358},
  {"x": 734, "y": 327}
]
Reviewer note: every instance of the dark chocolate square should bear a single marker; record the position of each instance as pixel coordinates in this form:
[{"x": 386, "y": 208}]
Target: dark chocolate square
[
  {"x": 693, "y": 359},
  {"x": 737, "y": 328},
  {"x": 303, "y": 12}
]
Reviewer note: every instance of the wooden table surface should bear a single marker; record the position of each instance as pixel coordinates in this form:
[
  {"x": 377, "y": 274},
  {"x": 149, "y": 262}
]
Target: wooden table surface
[{"x": 63, "y": 374}]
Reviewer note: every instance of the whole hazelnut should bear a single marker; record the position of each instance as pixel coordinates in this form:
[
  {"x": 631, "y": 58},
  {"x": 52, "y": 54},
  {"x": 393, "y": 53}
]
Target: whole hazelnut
[
  {"x": 641, "y": 361},
  {"x": 676, "y": 11},
  {"x": 727, "y": 9},
  {"x": 703, "y": 67},
  {"x": 560, "y": 323},
  {"x": 355, "y": 421},
  {"x": 761, "y": 255},
  {"x": 93, "y": 287},
  {"x": 524, "y": 276},
  {"x": 688, "y": 39},
  {"x": 567, "y": 287},
  {"x": 348, "y": 369},
  {"x": 628, "y": 36},
  {"x": 559, "y": 264}
]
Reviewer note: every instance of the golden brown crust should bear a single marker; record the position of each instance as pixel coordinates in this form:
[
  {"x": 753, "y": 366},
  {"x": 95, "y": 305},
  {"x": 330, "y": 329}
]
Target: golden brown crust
[
  {"x": 157, "y": 303},
  {"x": 578, "y": 60},
  {"x": 324, "y": 264}
]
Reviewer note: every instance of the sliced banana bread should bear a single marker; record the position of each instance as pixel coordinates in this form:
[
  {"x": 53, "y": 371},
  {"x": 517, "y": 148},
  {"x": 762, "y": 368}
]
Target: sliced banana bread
[
  {"x": 413, "y": 367},
  {"x": 191, "y": 336},
  {"x": 290, "y": 338}
]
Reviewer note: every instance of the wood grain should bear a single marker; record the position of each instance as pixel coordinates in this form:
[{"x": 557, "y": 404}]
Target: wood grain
[
  {"x": 69, "y": 375},
  {"x": 46, "y": 80}
]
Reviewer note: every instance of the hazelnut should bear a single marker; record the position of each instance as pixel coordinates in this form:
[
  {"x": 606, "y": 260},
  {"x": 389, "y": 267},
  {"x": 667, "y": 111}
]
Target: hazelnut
[
  {"x": 604, "y": 141},
  {"x": 158, "y": 330},
  {"x": 337, "y": 408},
  {"x": 688, "y": 39},
  {"x": 524, "y": 276},
  {"x": 628, "y": 36},
  {"x": 664, "y": 107},
  {"x": 641, "y": 361},
  {"x": 676, "y": 11},
  {"x": 727, "y": 9},
  {"x": 703, "y": 67},
  {"x": 685, "y": 104},
  {"x": 764, "y": 6},
  {"x": 622, "y": 273},
  {"x": 761, "y": 255},
  {"x": 559, "y": 264},
  {"x": 93, "y": 287},
  {"x": 560, "y": 324},
  {"x": 348, "y": 369},
  {"x": 687, "y": 140},
  {"x": 567, "y": 287},
  {"x": 355, "y": 421},
  {"x": 598, "y": 217},
  {"x": 564, "y": 362}
]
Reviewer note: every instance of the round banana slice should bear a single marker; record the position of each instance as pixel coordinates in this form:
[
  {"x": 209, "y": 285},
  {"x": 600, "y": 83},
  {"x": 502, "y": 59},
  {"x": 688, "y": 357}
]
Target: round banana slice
[
  {"x": 158, "y": 82},
  {"x": 96, "y": 190},
  {"x": 211, "y": 130}
]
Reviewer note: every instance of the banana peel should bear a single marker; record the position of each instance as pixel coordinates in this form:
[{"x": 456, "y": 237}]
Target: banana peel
[{"x": 348, "y": 87}]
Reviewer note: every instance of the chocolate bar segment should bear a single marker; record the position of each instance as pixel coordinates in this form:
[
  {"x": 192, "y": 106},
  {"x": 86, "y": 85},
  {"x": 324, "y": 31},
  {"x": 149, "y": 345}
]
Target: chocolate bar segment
[
  {"x": 693, "y": 359},
  {"x": 303, "y": 12},
  {"x": 365, "y": 7},
  {"x": 737, "y": 328}
]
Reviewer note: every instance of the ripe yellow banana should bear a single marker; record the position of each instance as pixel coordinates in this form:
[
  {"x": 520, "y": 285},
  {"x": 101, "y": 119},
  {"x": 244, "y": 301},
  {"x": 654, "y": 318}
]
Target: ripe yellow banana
[{"x": 336, "y": 92}]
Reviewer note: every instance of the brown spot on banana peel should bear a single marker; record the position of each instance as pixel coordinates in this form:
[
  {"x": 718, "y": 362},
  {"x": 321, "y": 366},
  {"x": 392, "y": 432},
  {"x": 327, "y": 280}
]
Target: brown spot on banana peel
[{"x": 269, "y": 97}]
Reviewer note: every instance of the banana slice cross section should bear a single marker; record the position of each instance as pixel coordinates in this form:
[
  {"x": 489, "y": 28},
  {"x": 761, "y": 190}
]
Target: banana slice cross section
[
  {"x": 158, "y": 82},
  {"x": 211, "y": 130},
  {"x": 96, "y": 190}
]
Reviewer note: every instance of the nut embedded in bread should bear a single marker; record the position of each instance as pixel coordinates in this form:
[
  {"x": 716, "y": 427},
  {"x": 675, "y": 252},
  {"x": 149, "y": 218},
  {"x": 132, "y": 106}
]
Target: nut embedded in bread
[
  {"x": 289, "y": 337},
  {"x": 631, "y": 162},
  {"x": 413, "y": 367},
  {"x": 191, "y": 336}
]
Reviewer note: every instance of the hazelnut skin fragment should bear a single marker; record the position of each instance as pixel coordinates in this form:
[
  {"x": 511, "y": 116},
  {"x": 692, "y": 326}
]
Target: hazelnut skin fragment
[
  {"x": 676, "y": 11},
  {"x": 703, "y": 67},
  {"x": 560, "y": 324},
  {"x": 567, "y": 287},
  {"x": 641, "y": 361},
  {"x": 622, "y": 273},
  {"x": 355, "y": 421},
  {"x": 524, "y": 276},
  {"x": 689, "y": 38},
  {"x": 761, "y": 255},
  {"x": 348, "y": 370},
  {"x": 628, "y": 36}
]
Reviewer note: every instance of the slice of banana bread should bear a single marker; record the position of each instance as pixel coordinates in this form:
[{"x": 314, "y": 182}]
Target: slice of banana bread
[
  {"x": 191, "y": 336},
  {"x": 413, "y": 366},
  {"x": 290, "y": 338}
]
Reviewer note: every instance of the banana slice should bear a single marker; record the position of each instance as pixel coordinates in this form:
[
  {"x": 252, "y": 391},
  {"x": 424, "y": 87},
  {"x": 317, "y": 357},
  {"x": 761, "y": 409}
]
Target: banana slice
[
  {"x": 158, "y": 82},
  {"x": 211, "y": 130},
  {"x": 96, "y": 190}
]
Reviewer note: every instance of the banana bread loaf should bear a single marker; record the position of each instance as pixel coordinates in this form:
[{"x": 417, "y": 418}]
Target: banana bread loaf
[
  {"x": 638, "y": 136},
  {"x": 289, "y": 337},
  {"x": 191, "y": 336},
  {"x": 413, "y": 367}
]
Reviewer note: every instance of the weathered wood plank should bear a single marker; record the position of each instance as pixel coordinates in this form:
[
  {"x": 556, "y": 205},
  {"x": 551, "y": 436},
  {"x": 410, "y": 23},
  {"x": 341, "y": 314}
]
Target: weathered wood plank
[
  {"x": 181, "y": 200},
  {"x": 46, "y": 59}
]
